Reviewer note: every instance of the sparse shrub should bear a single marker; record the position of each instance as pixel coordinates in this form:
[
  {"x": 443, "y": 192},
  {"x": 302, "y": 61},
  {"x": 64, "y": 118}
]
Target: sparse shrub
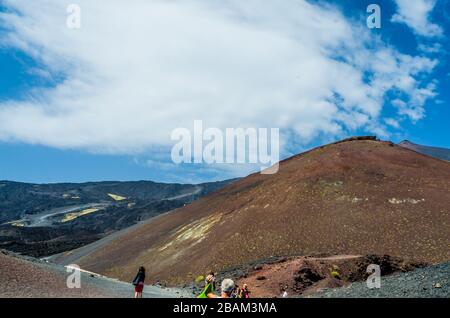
[
  {"x": 336, "y": 274},
  {"x": 199, "y": 279}
]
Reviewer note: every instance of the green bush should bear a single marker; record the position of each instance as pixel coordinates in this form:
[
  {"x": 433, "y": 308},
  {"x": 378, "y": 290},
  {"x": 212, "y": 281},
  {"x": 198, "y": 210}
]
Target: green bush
[{"x": 336, "y": 274}]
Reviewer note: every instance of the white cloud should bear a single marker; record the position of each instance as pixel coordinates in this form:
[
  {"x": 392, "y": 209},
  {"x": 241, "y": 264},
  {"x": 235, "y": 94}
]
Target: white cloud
[
  {"x": 416, "y": 15},
  {"x": 433, "y": 48},
  {"x": 392, "y": 122},
  {"x": 137, "y": 70}
]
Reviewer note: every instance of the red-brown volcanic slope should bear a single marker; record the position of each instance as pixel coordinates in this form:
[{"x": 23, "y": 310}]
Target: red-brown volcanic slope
[
  {"x": 308, "y": 275},
  {"x": 355, "y": 197},
  {"x": 20, "y": 278}
]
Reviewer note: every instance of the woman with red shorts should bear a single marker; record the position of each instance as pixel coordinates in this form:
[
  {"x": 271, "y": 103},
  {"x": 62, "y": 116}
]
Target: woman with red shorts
[{"x": 138, "y": 282}]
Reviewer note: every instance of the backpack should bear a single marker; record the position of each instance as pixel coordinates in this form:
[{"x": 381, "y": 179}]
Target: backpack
[{"x": 136, "y": 279}]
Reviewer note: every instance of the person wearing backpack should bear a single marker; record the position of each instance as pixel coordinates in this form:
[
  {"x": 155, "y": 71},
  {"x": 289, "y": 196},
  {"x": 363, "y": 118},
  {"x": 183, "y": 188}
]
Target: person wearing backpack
[{"x": 138, "y": 283}]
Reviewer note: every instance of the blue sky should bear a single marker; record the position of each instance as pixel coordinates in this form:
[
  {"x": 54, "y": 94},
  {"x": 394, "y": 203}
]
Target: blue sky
[{"x": 100, "y": 102}]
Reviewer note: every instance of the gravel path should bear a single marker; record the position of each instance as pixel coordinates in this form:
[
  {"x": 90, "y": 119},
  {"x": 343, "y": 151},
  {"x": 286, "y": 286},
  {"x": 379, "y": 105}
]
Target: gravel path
[
  {"x": 429, "y": 282},
  {"x": 117, "y": 289},
  {"x": 24, "y": 277}
]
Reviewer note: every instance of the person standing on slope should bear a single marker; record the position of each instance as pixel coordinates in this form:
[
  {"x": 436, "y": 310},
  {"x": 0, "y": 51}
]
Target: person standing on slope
[
  {"x": 244, "y": 292},
  {"x": 138, "y": 283}
]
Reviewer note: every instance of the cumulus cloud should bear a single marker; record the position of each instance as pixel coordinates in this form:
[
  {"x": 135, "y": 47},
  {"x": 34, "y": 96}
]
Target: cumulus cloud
[
  {"x": 137, "y": 70},
  {"x": 416, "y": 15}
]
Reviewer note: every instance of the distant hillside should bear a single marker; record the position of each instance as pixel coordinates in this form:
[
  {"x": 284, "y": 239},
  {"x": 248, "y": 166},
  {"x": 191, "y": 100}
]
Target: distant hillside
[
  {"x": 440, "y": 153},
  {"x": 43, "y": 219},
  {"x": 356, "y": 197}
]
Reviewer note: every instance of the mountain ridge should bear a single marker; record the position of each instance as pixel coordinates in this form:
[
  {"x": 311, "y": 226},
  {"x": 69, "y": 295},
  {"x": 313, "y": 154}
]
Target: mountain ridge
[{"x": 436, "y": 152}]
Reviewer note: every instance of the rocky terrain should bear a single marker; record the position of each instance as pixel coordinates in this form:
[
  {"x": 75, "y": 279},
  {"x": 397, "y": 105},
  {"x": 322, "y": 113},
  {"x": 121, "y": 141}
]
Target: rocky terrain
[
  {"x": 45, "y": 219},
  {"x": 303, "y": 276},
  {"x": 428, "y": 282},
  {"x": 333, "y": 276},
  {"x": 359, "y": 196}
]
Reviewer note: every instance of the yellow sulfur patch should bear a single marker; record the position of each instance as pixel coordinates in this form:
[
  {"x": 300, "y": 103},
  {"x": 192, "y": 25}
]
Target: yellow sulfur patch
[
  {"x": 116, "y": 197},
  {"x": 194, "y": 232},
  {"x": 18, "y": 224},
  {"x": 72, "y": 216}
]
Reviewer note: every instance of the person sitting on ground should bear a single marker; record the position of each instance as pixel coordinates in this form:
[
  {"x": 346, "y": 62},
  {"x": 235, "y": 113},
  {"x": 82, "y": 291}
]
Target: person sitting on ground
[
  {"x": 227, "y": 288},
  {"x": 138, "y": 283}
]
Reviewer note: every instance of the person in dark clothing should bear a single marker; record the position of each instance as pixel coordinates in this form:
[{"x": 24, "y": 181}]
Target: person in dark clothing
[
  {"x": 245, "y": 292},
  {"x": 210, "y": 286},
  {"x": 138, "y": 283}
]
